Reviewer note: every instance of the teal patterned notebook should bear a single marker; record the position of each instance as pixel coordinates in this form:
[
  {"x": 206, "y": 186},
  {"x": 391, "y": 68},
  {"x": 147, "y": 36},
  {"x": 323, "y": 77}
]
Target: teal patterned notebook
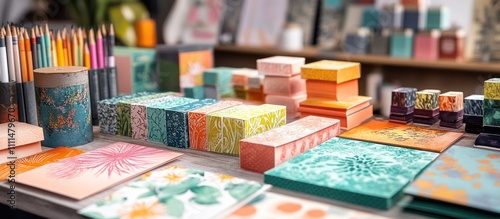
[
  {"x": 464, "y": 182},
  {"x": 353, "y": 171}
]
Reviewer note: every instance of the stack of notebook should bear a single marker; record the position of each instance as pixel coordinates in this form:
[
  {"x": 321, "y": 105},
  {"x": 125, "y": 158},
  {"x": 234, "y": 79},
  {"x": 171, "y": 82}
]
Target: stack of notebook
[
  {"x": 256, "y": 88},
  {"x": 462, "y": 183},
  {"x": 332, "y": 91},
  {"x": 451, "y": 109},
  {"x": 403, "y": 104},
  {"x": 473, "y": 113},
  {"x": 427, "y": 107},
  {"x": 282, "y": 83},
  {"x": 217, "y": 82},
  {"x": 240, "y": 82},
  {"x": 490, "y": 137}
]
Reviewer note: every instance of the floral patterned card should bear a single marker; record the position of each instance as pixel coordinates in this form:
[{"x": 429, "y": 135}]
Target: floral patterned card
[
  {"x": 353, "y": 171},
  {"x": 37, "y": 160},
  {"x": 95, "y": 170},
  {"x": 463, "y": 176},
  {"x": 272, "y": 205},
  {"x": 176, "y": 192},
  {"x": 403, "y": 135}
]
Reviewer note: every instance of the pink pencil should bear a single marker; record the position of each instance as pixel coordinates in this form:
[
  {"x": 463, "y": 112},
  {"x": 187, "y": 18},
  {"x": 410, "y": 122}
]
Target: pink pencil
[
  {"x": 93, "y": 56},
  {"x": 100, "y": 51}
]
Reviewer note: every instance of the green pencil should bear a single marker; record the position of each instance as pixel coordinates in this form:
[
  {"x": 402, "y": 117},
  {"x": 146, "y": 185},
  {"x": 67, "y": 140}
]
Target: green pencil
[{"x": 48, "y": 49}]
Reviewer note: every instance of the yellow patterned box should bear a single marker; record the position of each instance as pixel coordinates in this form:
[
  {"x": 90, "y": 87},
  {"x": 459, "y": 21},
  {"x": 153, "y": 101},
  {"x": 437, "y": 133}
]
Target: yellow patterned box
[
  {"x": 329, "y": 70},
  {"x": 492, "y": 89},
  {"x": 242, "y": 124}
]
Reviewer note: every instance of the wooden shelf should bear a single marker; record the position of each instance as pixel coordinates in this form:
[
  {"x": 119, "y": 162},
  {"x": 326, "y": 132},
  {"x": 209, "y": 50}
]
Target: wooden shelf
[{"x": 315, "y": 53}]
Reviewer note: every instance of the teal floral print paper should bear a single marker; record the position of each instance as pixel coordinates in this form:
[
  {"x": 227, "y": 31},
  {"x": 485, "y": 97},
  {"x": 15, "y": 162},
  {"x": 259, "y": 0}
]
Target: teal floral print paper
[
  {"x": 176, "y": 192},
  {"x": 353, "y": 171}
]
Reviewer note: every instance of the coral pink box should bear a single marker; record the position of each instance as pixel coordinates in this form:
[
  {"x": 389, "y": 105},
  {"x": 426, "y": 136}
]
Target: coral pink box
[
  {"x": 291, "y": 102},
  {"x": 284, "y": 86},
  {"x": 240, "y": 76},
  {"x": 284, "y": 66},
  {"x": 197, "y": 122},
  {"x": 266, "y": 150},
  {"x": 426, "y": 45}
]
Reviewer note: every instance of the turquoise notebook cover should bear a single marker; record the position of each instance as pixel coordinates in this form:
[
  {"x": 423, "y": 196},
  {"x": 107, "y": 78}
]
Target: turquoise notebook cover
[
  {"x": 353, "y": 171},
  {"x": 461, "y": 176}
]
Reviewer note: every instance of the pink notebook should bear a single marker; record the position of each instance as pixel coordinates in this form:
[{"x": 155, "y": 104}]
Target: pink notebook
[{"x": 89, "y": 173}]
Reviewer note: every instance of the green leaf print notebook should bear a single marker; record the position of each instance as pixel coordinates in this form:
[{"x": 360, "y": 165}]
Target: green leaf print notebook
[{"x": 358, "y": 172}]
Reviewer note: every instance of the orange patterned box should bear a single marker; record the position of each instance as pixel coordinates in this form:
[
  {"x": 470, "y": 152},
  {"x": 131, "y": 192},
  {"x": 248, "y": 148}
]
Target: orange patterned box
[
  {"x": 329, "y": 70},
  {"x": 27, "y": 140},
  {"x": 284, "y": 66},
  {"x": 266, "y": 150},
  {"x": 197, "y": 122},
  {"x": 332, "y": 90},
  {"x": 284, "y": 85},
  {"x": 452, "y": 101}
]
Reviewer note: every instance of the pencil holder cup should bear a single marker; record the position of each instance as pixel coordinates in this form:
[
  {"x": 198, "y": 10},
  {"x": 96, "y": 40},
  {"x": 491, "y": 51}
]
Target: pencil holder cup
[
  {"x": 63, "y": 100},
  {"x": 94, "y": 94},
  {"x": 103, "y": 83},
  {"x": 8, "y": 102},
  {"x": 112, "y": 82}
]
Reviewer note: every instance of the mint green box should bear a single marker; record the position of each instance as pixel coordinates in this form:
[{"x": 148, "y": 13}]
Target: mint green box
[
  {"x": 197, "y": 92},
  {"x": 358, "y": 172},
  {"x": 438, "y": 18},
  {"x": 402, "y": 44},
  {"x": 218, "y": 77},
  {"x": 136, "y": 69}
]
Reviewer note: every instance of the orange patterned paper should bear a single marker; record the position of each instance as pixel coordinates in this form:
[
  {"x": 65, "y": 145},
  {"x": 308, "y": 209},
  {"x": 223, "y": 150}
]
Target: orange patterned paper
[
  {"x": 451, "y": 101},
  {"x": 192, "y": 65},
  {"x": 403, "y": 135},
  {"x": 38, "y": 160}
]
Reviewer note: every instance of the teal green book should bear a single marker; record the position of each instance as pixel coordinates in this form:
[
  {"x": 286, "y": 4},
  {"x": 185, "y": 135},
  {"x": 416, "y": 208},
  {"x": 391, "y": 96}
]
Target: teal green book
[
  {"x": 357, "y": 172},
  {"x": 219, "y": 77},
  {"x": 464, "y": 182},
  {"x": 123, "y": 111}
]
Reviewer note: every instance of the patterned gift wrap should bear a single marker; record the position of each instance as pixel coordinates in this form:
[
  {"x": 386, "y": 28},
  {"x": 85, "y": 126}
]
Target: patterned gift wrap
[
  {"x": 451, "y": 101},
  {"x": 266, "y": 150},
  {"x": 138, "y": 113},
  {"x": 197, "y": 122},
  {"x": 177, "y": 122},
  {"x": 427, "y": 99},
  {"x": 157, "y": 118},
  {"x": 473, "y": 104},
  {"x": 328, "y": 70},
  {"x": 215, "y": 125},
  {"x": 404, "y": 97},
  {"x": 358, "y": 172},
  {"x": 225, "y": 131},
  {"x": 284, "y": 66},
  {"x": 124, "y": 119},
  {"x": 492, "y": 89},
  {"x": 491, "y": 116},
  {"x": 106, "y": 111},
  {"x": 63, "y": 101}
]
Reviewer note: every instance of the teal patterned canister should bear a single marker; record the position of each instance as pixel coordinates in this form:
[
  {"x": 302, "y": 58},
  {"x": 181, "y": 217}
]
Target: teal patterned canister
[{"x": 62, "y": 96}]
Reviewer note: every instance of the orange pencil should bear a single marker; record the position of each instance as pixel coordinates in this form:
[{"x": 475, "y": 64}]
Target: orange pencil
[
  {"x": 65, "y": 47},
  {"x": 86, "y": 56},
  {"x": 70, "y": 49},
  {"x": 29, "y": 58},
  {"x": 59, "y": 49},
  {"x": 53, "y": 49},
  {"x": 22, "y": 57},
  {"x": 74, "y": 47},
  {"x": 80, "y": 47}
]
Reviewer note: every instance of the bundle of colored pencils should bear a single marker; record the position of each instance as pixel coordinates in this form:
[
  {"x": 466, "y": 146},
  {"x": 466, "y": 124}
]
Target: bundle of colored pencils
[{"x": 24, "y": 49}]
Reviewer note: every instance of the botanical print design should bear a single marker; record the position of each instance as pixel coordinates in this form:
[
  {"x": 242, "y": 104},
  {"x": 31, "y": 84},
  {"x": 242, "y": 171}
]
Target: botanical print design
[
  {"x": 492, "y": 89},
  {"x": 65, "y": 113},
  {"x": 177, "y": 123},
  {"x": 95, "y": 170},
  {"x": 192, "y": 65},
  {"x": 464, "y": 176},
  {"x": 404, "y": 97},
  {"x": 249, "y": 122},
  {"x": 491, "y": 116},
  {"x": 328, "y": 70},
  {"x": 280, "y": 144},
  {"x": 273, "y": 205},
  {"x": 106, "y": 111},
  {"x": 175, "y": 192},
  {"x": 280, "y": 65},
  {"x": 403, "y": 135},
  {"x": 214, "y": 127},
  {"x": 427, "y": 100},
  {"x": 374, "y": 171},
  {"x": 157, "y": 118},
  {"x": 140, "y": 119},
  {"x": 197, "y": 122},
  {"x": 38, "y": 160}
]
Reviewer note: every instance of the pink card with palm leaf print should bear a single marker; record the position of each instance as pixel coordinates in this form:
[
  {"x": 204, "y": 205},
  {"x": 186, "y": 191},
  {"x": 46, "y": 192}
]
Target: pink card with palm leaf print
[{"x": 94, "y": 171}]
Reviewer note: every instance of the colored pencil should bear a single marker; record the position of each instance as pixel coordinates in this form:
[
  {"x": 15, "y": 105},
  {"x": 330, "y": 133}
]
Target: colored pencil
[
  {"x": 59, "y": 50},
  {"x": 86, "y": 56},
  {"x": 4, "y": 71},
  {"x": 111, "y": 46},
  {"x": 92, "y": 49},
  {"x": 29, "y": 57},
  {"x": 53, "y": 50},
  {"x": 34, "y": 49},
  {"x": 10, "y": 54},
  {"x": 22, "y": 57},
  {"x": 48, "y": 47},
  {"x": 104, "y": 45}
]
